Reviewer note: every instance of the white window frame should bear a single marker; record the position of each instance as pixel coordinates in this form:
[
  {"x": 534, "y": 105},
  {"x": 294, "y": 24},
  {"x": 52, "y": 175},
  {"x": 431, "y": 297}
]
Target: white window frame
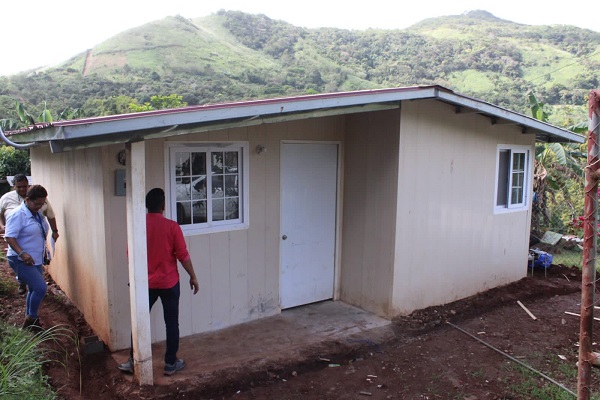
[
  {"x": 170, "y": 183},
  {"x": 503, "y": 187}
]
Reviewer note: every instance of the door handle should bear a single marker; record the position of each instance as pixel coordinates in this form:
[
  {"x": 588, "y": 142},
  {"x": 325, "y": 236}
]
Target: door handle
[{"x": 284, "y": 237}]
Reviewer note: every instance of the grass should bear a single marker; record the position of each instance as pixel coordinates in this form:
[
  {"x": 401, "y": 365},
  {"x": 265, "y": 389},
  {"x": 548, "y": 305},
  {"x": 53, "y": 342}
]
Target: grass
[
  {"x": 532, "y": 386},
  {"x": 569, "y": 258},
  {"x": 21, "y": 360},
  {"x": 23, "y": 355}
]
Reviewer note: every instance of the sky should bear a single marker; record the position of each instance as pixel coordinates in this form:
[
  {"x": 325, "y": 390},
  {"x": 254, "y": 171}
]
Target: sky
[{"x": 35, "y": 33}]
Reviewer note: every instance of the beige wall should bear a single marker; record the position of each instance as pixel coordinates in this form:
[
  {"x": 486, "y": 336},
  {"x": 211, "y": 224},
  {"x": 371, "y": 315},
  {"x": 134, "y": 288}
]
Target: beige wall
[
  {"x": 450, "y": 244},
  {"x": 75, "y": 185},
  {"x": 238, "y": 271},
  {"x": 369, "y": 214}
]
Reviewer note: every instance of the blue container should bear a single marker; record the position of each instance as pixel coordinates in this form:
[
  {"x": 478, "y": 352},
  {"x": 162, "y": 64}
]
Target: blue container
[{"x": 541, "y": 259}]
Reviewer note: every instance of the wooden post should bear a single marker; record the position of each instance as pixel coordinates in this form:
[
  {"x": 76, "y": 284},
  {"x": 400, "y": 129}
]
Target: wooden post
[
  {"x": 590, "y": 233},
  {"x": 138, "y": 262}
]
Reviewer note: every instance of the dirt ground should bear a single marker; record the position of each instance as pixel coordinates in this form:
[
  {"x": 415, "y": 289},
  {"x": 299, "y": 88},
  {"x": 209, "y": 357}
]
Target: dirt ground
[{"x": 435, "y": 353}]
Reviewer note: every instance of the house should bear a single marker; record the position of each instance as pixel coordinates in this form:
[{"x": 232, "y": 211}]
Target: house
[{"x": 391, "y": 200}]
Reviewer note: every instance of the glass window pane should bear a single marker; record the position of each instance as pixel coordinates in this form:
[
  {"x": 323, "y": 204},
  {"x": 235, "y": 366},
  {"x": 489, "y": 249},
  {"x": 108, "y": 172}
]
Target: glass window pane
[
  {"x": 517, "y": 196},
  {"x": 216, "y": 162},
  {"x": 517, "y": 188},
  {"x": 182, "y": 164},
  {"x": 183, "y": 213},
  {"x": 198, "y": 187},
  {"x": 199, "y": 163},
  {"x": 519, "y": 162},
  {"x": 231, "y": 162},
  {"x": 503, "y": 174},
  {"x": 218, "y": 210},
  {"x": 217, "y": 186},
  {"x": 182, "y": 189},
  {"x": 199, "y": 212},
  {"x": 231, "y": 185},
  {"x": 232, "y": 209}
]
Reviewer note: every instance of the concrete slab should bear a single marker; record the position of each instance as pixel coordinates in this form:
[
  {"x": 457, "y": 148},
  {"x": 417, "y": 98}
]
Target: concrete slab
[{"x": 295, "y": 336}]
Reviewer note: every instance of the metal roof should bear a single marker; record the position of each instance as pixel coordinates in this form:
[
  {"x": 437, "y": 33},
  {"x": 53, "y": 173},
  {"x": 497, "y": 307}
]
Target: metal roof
[{"x": 98, "y": 131}]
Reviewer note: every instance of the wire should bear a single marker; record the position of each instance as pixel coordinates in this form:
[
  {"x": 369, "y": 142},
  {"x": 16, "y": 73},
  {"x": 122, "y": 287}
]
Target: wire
[{"x": 513, "y": 359}]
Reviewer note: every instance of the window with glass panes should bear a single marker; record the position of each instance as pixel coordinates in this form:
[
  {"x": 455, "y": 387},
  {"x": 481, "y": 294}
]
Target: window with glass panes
[
  {"x": 512, "y": 177},
  {"x": 206, "y": 185}
]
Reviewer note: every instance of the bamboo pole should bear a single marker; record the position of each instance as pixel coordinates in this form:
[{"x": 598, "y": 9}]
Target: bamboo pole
[{"x": 590, "y": 230}]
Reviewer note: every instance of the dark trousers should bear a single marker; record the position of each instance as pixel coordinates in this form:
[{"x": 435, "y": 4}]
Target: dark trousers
[{"x": 170, "y": 302}]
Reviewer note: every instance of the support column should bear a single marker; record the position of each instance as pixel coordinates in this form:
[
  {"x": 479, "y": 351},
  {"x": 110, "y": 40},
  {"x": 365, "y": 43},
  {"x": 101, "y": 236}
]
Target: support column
[
  {"x": 590, "y": 251},
  {"x": 138, "y": 262}
]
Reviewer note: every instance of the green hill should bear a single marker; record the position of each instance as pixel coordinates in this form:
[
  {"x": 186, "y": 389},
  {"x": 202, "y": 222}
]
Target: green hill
[{"x": 231, "y": 56}]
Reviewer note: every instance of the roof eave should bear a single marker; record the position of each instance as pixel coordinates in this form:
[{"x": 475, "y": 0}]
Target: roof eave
[{"x": 68, "y": 135}]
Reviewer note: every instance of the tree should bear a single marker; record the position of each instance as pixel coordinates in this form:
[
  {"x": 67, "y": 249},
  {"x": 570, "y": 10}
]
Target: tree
[
  {"x": 158, "y": 103},
  {"x": 558, "y": 174},
  {"x": 14, "y": 161}
]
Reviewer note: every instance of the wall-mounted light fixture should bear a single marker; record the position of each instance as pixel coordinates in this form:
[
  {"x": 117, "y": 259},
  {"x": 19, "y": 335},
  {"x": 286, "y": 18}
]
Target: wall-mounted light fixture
[{"x": 122, "y": 157}]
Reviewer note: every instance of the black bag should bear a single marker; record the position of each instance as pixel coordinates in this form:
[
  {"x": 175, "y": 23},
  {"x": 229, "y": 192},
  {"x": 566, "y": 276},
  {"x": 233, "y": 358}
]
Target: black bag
[{"x": 47, "y": 256}]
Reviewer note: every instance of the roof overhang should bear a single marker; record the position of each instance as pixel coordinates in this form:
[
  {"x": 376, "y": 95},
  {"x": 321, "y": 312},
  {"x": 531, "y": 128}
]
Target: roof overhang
[{"x": 98, "y": 131}]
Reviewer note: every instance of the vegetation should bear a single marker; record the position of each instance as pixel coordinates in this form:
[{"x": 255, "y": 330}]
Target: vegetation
[
  {"x": 232, "y": 56},
  {"x": 22, "y": 357},
  {"x": 14, "y": 161}
]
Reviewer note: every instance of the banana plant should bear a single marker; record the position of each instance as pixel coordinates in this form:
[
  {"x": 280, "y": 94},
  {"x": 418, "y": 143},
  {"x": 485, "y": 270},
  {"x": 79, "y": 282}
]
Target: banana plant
[
  {"x": 557, "y": 166},
  {"x": 26, "y": 119}
]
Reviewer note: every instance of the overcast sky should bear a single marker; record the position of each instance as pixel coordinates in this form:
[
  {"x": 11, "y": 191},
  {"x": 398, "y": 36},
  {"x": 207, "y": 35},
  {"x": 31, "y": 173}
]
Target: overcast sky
[{"x": 36, "y": 33}]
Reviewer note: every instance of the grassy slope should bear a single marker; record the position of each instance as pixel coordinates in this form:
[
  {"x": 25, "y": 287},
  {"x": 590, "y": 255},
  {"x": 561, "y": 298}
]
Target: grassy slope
[{"x": 210, "y": 54}]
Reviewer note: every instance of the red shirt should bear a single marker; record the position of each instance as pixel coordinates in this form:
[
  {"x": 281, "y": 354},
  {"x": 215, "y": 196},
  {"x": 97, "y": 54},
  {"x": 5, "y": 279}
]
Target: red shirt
[{"x": 166, "y": 245}]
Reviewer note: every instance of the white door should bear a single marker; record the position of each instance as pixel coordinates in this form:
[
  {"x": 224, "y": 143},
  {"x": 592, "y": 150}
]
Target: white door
[{"x": 308, "y": 219}]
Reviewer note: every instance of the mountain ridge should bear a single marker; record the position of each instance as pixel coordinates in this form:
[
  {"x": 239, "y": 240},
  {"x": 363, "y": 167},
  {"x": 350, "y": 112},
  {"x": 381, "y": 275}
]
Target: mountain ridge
[{"x": 231, "y": 56}]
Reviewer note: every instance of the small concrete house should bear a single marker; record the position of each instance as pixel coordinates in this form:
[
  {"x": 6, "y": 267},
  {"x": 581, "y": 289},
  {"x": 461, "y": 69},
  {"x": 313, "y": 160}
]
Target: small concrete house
[{"x": 390, "y": 200}]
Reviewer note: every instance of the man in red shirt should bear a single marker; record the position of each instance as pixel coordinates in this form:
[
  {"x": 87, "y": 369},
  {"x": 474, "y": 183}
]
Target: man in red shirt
[{"x": 165, "y": 246}]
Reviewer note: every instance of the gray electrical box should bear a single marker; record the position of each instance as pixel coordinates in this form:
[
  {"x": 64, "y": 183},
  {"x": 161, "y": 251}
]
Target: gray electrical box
[{"x": 120, "y": 184}]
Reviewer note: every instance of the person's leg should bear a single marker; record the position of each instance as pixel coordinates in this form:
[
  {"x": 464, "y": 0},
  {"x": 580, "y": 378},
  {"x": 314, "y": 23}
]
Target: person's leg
[
  {"x": 128, "y": 366},
  {"x": 34, "y": 278},
  {"x": 152, "y": 297},
  {"x": 12, "y": 262},
  {"x": 170, "y": 303}
]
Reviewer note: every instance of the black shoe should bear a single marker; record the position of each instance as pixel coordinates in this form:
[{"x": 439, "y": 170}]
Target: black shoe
[
  {"x": 32, "y": 324},
  {"x": 22, "y": 288}
]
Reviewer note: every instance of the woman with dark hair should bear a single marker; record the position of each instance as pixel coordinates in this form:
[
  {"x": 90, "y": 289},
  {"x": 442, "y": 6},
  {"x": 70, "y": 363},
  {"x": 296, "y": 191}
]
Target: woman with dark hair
[{"x": 26, "y": 230}]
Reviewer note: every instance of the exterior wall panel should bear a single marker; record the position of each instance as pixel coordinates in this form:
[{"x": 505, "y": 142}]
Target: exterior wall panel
[
  {"x": 450, "y": 244},
  {"x": 74, "y": 182},
  {"x": 370, "y": 185}
]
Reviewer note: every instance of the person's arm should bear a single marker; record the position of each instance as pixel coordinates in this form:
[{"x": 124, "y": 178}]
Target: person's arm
[
  {"x": 49, "y": 213},
  {"x": 52, "y": 222},
  {"x": 2, "y": 212},
  {"x": 183, "y": 256},
  {"x": 23, "y": 255},
  {"x": 2, "y": 221},
  {"x": 189, "y": 268}
]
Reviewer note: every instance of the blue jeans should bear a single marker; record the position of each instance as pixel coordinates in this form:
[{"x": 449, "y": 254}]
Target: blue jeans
[
  {"x": 170, "y": 302},
  {"x": 14, "y": 268},
  {"x": 33, "y": 276}
]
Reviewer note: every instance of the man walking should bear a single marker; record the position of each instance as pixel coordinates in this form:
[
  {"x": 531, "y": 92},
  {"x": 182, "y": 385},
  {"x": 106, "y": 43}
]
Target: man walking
[{"x": 165, "y": 246}]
